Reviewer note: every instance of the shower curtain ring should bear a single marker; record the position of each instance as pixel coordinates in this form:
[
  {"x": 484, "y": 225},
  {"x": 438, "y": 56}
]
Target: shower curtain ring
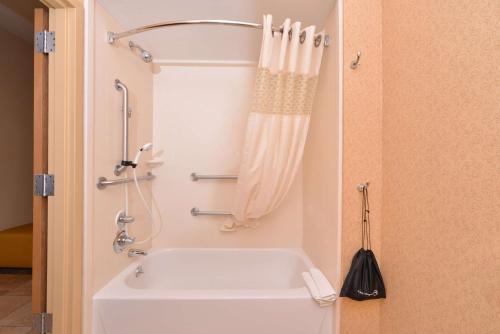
[
  {"x": 317, "y": 40},
  {"x": 302, "y": 37}
]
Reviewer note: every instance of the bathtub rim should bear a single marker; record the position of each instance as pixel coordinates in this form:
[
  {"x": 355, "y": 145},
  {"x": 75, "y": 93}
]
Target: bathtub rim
[{"x": 117, "y": 289}]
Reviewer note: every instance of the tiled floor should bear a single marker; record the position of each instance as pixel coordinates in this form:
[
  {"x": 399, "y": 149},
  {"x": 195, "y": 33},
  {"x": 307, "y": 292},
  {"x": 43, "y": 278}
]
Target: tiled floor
[{"x": 15, "y": 304}]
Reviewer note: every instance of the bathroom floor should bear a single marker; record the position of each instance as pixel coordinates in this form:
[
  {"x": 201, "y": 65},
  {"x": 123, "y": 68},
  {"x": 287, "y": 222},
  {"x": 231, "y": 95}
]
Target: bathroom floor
[{"x": 15, "y": 304}]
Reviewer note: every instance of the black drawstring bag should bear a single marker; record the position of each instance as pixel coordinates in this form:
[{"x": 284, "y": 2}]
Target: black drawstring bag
[{"x": 364, "y": 280}]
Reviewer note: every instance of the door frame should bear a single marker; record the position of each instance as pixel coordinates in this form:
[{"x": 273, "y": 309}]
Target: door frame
[
  {"x": 40, "y": 166},
  {"x": 65, "y": 161}
]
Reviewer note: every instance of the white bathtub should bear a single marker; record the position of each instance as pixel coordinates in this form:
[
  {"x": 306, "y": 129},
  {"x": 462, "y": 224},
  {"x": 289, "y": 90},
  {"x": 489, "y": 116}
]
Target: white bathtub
[{"x": 212, "y": 291}]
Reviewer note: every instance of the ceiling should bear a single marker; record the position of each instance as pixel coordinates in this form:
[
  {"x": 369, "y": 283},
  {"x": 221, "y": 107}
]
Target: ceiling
[{"x": 200, "y": 43}]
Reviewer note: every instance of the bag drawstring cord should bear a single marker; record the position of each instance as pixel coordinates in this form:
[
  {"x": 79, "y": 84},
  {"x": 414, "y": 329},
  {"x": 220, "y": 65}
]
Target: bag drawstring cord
[{"x": 365, "y": 220}]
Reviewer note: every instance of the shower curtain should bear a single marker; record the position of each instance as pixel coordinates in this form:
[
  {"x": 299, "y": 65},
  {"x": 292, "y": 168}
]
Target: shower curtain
[{"x": 279, "y": 119}]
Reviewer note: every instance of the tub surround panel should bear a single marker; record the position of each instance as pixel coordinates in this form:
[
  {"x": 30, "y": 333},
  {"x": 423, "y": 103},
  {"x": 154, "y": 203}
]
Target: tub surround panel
[
  {"x": 199, "y": 125},
  {"x": 112, "y": 62},
  {"x": 321, "y": 166},
  {"x": 440, "y": 239},
  {"x": 200, "y": 114}
]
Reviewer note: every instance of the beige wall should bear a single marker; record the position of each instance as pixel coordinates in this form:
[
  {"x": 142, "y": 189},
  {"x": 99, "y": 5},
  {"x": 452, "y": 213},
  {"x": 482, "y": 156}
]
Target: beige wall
[
  {"x": 362, "y": 149},
  {"x": 441, "y": 140},
  {"x": 16, "y": 130},
  {"x": 112, "y": 62},
  {"x": 436, "y": 237}
]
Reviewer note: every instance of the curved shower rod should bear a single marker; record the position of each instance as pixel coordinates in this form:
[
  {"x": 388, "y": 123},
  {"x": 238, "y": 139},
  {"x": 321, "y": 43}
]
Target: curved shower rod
[{"x": 113, "y": 36}]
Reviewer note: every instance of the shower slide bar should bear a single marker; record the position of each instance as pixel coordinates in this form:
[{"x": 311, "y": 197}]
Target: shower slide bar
[
  {"x": 103, "y": 182},
  {"x": 113, "y": 36},
  {"x": 197, "y": 212},
  {"x": 195, "y": 177}
]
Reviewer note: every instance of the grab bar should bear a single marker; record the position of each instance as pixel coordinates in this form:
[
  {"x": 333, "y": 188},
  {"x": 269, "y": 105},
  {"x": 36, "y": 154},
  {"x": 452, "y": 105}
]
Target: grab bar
[
  {"x": 196, "y": 177},
  {"x": 103, "y": 182},
  {"x": 120, "y": 86},
  {"x": 197, "y": 212}
]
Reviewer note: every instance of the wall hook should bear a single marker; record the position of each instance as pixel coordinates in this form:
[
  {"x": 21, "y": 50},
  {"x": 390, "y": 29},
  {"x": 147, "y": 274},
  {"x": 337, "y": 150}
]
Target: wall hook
[
  {"x": 362, "y": 186},
  {"x": 355, "y": 63}
]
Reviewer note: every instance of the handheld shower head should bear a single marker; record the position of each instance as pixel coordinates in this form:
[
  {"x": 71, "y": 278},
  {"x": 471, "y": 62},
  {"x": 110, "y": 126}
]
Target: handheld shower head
[
  {"x": 146, "y": 56},
  {"x": 144, "y": 148}
]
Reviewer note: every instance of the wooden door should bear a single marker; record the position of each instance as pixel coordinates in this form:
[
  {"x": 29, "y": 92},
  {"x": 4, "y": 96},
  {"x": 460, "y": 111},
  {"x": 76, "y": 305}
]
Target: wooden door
[{"x": 40, "y": 166}]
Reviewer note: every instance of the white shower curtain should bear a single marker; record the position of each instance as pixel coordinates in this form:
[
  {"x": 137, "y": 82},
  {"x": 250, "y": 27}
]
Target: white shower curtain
[{"x": 279, "y": 119}]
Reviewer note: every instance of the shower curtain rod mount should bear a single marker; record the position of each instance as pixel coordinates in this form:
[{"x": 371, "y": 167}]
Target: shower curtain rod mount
[{"x": 113, "y": 36}]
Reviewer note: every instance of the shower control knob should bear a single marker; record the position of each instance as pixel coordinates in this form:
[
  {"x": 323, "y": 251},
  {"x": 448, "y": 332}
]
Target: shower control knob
[{"x": 122, "y": 240}]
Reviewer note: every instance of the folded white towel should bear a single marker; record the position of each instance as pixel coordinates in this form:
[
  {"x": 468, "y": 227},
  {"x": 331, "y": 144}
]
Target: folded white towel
[
  {"x": 321, "y": 290},
  {"x": 313, "y": 289},
  {"x": 325, "y": 288}
]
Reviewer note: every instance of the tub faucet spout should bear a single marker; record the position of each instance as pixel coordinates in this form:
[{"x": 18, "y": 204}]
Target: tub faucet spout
[
  {"x": 136, "y": 252},
  {"x": 139, "y": 271}
]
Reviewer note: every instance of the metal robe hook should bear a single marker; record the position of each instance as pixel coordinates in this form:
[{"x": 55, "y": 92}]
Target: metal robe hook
[
  {"x": 362, "y": 186},
  {"x": 355, "y": 63}
]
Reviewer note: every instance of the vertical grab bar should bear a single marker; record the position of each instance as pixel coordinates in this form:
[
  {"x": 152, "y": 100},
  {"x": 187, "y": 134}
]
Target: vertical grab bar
[{"x": 120, "y": 86}]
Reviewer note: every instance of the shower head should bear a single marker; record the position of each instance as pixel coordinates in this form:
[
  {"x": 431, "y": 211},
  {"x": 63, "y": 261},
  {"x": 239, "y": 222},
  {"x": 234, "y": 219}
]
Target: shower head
[
  {"x": 144, "y": 148},
  {"x": 146, "y": 56}
]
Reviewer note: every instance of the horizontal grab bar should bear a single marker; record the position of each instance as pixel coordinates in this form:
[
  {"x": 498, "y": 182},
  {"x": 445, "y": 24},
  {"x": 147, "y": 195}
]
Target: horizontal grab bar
[
  {"x": 196, "y": 177},
  {"x": 103, "y": 182},
  {"x": 197, "y": 212}
]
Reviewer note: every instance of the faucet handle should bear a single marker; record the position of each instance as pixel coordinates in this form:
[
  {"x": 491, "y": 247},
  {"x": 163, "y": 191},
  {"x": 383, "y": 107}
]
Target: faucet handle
[
  {"x": 126, "y": 240},
  {"x": 122, "y": 240}
]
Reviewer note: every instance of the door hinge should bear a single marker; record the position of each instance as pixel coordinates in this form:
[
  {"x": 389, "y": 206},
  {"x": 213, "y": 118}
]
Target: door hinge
[
  {"x": 45, "y": 41},
  {"x": 43, "y": 185},
  {"x": 42, "y": 322}
]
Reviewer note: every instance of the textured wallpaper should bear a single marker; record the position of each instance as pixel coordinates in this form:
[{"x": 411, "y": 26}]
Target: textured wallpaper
[
  {"x": 362, "y": 149},
  {"x": 441, "y": 166}
]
